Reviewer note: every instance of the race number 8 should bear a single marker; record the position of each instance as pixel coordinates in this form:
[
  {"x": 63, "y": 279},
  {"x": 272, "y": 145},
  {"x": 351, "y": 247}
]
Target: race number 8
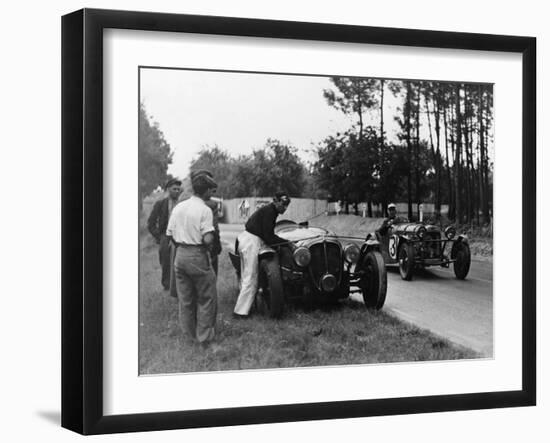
[{"x": 392, "y": 246}]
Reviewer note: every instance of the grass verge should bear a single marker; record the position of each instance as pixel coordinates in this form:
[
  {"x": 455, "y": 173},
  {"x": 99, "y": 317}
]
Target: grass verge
[{"x": 336, "y": 335}]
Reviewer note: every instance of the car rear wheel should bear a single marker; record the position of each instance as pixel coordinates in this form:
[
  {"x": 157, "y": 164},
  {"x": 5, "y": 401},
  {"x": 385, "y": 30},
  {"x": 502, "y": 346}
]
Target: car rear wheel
[
  {"x": 374, "y": 281},
  {"x": 462, "y": 264},
  {"x": 271, "y": 286},
  {"x": 405, "y": 256}
]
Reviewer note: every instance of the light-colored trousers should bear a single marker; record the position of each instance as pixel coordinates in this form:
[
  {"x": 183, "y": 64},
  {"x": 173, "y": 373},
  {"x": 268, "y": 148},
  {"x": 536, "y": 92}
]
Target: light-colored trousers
[
  {"x": 249, "y": 247},
  {"x": 197, "y": 295}
]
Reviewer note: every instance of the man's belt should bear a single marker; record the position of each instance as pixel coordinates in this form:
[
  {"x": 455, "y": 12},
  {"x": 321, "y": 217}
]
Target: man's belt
[{"x": 186, "y": 245}]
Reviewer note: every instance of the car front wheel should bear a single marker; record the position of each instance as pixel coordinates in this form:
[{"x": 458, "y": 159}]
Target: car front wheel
[
  {"x": 374, "y": 281},
  {"x": 271, "y": 286},
  {"x": 462, "y": 261},
  {"x": 405, "y": 256}
]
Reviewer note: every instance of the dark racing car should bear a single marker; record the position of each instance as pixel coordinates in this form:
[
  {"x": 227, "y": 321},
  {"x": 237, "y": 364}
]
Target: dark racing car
[
  {"x": 420, "y": 245},
  {"x": 321, "y": 267}
]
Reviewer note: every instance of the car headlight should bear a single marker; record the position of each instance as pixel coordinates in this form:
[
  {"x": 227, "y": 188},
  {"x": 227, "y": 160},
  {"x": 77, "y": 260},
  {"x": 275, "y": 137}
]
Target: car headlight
[
  {"x": 421, "y": 232},
  {"x": 450, "y": 232},
  {"x": 302, "y": 256},
  {"x": 351, "y": 253}
]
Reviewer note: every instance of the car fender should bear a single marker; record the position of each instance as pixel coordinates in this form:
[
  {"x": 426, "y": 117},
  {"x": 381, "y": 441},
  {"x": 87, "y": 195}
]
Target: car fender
[
  {"x": 266, "y": 252},
  {"x": 370, "y": 244},
  {"x": 460, "y": 239}
]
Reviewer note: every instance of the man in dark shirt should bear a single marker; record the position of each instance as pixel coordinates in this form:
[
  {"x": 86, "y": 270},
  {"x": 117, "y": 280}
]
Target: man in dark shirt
[
  {"x": 259, "y": 231},
  {"x": 157, "y": 223},
  {"x": 262, "y": 222},
  {"x": 392, "y": 219}
]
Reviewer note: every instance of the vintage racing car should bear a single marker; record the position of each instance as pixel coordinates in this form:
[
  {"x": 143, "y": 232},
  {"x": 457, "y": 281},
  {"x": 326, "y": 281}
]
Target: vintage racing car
[
  {"x": 420, "y": 245},
  {"x": 321, "y": 267}
]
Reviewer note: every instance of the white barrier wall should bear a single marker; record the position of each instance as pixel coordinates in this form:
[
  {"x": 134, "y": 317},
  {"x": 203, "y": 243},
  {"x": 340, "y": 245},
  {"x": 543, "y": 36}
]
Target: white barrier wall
[{"x": 237, "y": 210}]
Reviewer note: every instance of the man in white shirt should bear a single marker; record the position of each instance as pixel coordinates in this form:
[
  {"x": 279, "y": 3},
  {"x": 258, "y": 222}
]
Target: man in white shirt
[{"x": 191, "y": 228}]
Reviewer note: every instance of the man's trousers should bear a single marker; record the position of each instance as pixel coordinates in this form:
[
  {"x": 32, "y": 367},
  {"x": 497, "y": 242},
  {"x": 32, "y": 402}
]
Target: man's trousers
[
  {"x": 249, "y": 247},
  {"x": 164, "y": 260},
  {"x": 197, "y": 296}
]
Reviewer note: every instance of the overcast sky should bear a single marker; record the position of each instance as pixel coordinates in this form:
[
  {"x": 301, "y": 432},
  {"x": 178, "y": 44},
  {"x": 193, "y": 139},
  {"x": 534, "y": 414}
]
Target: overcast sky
[
  {"x": 240, "y": 111},
  {"x": 237, "y": 111}
]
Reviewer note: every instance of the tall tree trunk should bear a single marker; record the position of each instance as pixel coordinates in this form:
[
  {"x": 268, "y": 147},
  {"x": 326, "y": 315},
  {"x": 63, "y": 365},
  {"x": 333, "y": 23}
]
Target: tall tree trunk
[
  {"x": 438, "y": 162},
  {"x": 382, "y": 138},
  {"x": 382, "y": 147},
  {"x": 409, "y": 149},
  {"x": 450, "y": 213},
  {"x": 484, "y": 104},
  {"x": 458, "y": 150},
  {"x": 435, "y": 160},
  {"x": 360, "y": 115},
  {"x": 418, "y": 196},
  {"x": 479, "y": 186},
  {"x": 481, "y": 160},
  {"x": 452, "y": 131},
  {"x": 469, "y": 188},
  {"x": 382, "y": 144}
]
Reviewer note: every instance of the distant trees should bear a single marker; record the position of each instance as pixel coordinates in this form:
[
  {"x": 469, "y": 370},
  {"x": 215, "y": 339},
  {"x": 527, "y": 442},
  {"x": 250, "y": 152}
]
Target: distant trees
[
  {"x": 347, "y": 168},
  {"x": 356, "y": 96},
  {"x": 444, "y": 130},
  {"x": 274, "y": 167},
  {"x": 444, "y": 134},
  {"x": 439, "y": 153},
  {"x": 154, "y": 155}
]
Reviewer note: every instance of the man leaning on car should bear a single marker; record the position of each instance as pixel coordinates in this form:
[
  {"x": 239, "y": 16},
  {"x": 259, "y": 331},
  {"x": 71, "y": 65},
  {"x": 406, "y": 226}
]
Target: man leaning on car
[{"x": 259, "y": 230}]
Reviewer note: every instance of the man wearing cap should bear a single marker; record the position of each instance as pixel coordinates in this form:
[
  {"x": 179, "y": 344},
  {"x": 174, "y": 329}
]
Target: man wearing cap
[
  {"x": 259, "y": 230},
  {"x": 213, "y": 205},
  {"x": 157, "y": 223},
  {"x": 191, "y": 229},
  {"x": 388, "y": 222}
]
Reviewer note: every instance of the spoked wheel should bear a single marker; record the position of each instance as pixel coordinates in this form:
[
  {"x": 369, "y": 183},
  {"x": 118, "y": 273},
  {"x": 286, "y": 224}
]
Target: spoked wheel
[
  {"x": 270, "y": 288},
  {"x": 405, "y": 255},
  {"x": 462, "y": 264},
  {"x": 374, "y": 281}
]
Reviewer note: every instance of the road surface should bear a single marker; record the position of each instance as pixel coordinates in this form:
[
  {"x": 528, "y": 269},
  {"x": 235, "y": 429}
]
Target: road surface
[{"x": 459, "y": 310}]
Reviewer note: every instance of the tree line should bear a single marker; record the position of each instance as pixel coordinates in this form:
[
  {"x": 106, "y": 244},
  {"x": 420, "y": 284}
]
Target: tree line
[
  {"x": 440, "y": 152},
  {"x": 154, "y": 156}
]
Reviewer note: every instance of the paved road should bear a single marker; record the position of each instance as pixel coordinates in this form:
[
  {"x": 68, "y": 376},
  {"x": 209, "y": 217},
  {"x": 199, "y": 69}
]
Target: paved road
[{"x": 460, "y": 310}]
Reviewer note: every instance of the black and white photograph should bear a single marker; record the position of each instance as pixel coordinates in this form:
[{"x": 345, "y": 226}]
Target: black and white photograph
[
  {"x": 337, "y": 228},
  {"x": 289, "y": 220}
]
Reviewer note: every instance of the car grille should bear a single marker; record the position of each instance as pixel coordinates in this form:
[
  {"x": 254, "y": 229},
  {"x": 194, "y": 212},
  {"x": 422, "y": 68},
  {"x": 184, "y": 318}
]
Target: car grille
[
  {"x": 432, "y": 249},
  {"x": 322, "y": 263}
]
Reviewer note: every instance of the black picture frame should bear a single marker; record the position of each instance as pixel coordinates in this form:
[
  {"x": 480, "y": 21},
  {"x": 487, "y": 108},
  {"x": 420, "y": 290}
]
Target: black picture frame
[{"x": 82, "y": 219}]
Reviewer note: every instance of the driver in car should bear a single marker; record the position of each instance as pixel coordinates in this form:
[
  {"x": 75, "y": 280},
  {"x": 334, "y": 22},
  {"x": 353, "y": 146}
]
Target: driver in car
[
  {"x": 259, "y": 230},
  {"x": 388, "y": 222}
]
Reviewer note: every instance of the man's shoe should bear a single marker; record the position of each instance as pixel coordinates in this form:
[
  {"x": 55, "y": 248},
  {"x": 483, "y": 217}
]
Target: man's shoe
[{"x": 239, "y": 316}]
